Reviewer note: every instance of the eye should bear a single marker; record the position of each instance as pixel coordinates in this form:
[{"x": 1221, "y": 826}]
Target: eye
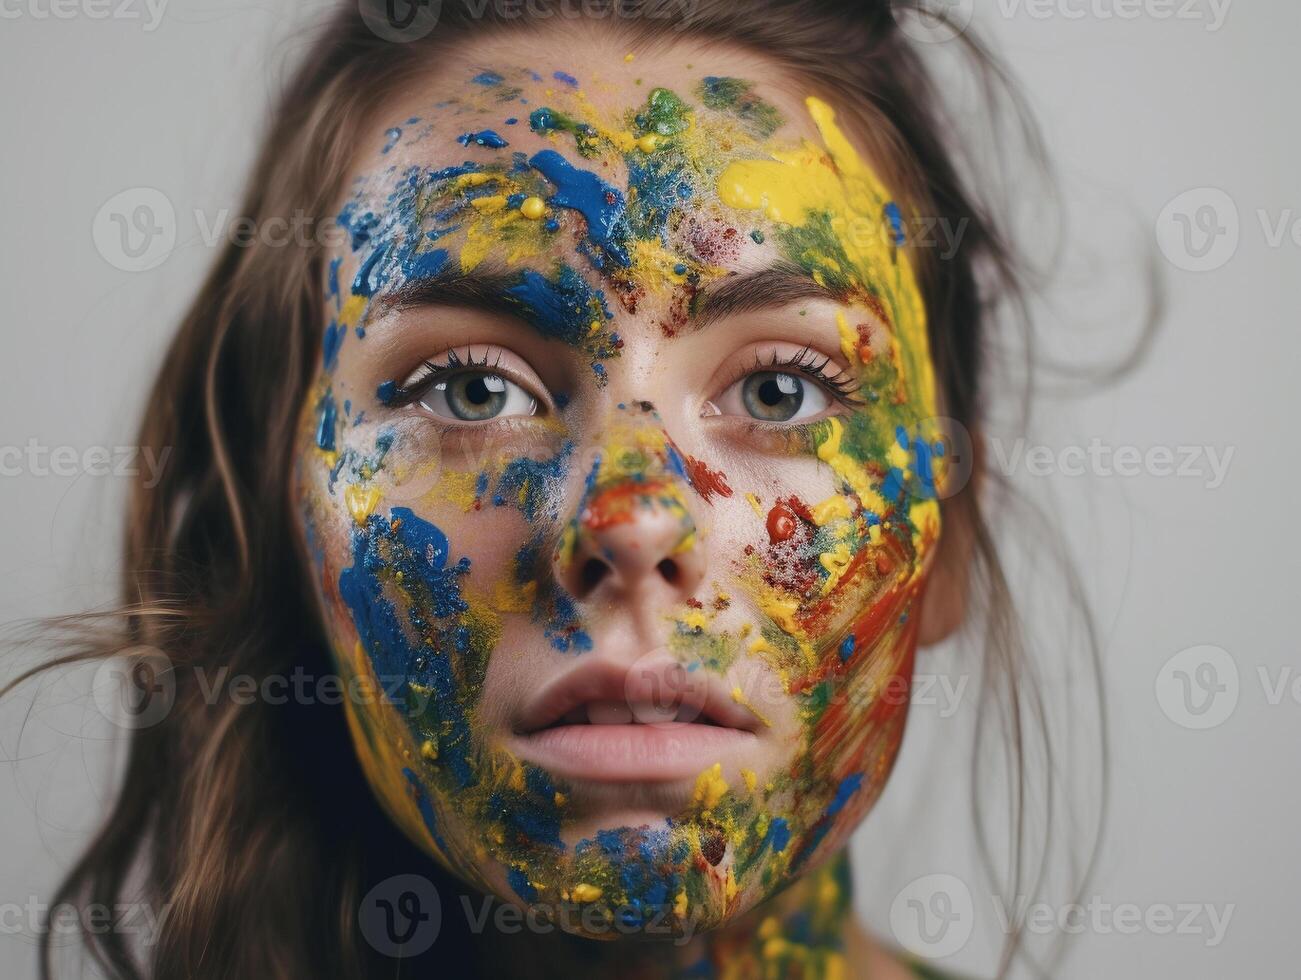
[
  {"x": 773, "y": 396},
  {"x": 779, "y": 383},
  {"x": 477, "y": 396},
  {"x": 470, "y": 388}
]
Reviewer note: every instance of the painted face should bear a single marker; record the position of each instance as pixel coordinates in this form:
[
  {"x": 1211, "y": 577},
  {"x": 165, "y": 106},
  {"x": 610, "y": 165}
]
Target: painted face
[{"x": 618, "y": 483}]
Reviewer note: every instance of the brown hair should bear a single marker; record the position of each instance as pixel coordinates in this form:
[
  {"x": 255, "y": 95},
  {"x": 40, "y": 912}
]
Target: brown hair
[{"x": 252, "y": 823}]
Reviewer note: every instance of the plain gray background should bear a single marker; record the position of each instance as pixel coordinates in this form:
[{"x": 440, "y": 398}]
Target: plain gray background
[{"x": 1163, "y": 116}]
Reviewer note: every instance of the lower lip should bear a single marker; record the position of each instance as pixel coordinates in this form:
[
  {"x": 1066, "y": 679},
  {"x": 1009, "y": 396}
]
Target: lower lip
[{"x": 633, "y": 753}]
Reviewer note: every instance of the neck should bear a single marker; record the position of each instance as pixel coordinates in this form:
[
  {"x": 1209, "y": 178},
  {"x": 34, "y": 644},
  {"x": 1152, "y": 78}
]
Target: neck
[{"x": 800, "y": 933}]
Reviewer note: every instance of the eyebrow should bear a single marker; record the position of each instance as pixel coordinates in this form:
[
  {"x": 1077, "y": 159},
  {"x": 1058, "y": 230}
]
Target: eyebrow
[
  {"x": 478, "y": 290},
  {"x": 774, "y": 287},
  {"x": 767, "y": 289}
]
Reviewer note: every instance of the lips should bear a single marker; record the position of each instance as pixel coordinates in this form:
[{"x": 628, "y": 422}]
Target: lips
[{"x": 655, "y": 721}]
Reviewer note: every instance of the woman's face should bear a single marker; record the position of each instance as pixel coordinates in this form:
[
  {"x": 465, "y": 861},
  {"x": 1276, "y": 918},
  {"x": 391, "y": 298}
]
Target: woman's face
[{"x": 617, "y": 480}]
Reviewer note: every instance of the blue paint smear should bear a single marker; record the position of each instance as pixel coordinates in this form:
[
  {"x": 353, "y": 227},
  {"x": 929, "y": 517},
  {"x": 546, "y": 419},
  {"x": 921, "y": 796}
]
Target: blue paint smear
[
  {"x": 330, "y": 345},
  {"x": 643, "y": 857},
  {"x": 373, "y": 274},
  {"x": 447, "y": 173},
  {"x": 846, "y": 648},
  {"x": 677, "y": 465},
  {"x": 410, "y": 545},
  {"x": 333, "y": 280},
  {"x": 358, "y": 226},
  {"x": 565, "y": 77},
  {"x": 424, "y": 265},
  {"x": 327, "y": 420},
  {"x": 487, "y": 78},
  {"x": 486, "y": 138},
  {"x": 926, "y": 455},
  {"x": 847, "y": 788},
  {"x": 895, "y": 217},
  {"x": 658, "y": 185},
  {"x": 562, "y": 308},
  {"x": 391, "y": 137},
  {"x": 540, "y": 825},
  {"x": 519, "y": 883},
  {"x": 386, "y": 392},
  {"x": 426, "y": 808},
  {"x": 531, "y": 484},
  {"x": 583, "y": 191},
  {"x": 779, "y": 835}
]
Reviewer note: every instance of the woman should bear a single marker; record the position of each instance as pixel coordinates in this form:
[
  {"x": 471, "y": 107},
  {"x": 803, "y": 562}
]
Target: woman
[{"x": 595, "y": 442}]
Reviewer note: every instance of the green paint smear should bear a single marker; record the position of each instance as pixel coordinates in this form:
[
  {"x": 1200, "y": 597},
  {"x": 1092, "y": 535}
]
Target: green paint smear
[
  {"x": 665, "y": 114},
  {"x": 736, "y": 97},
  {"x": 548, "y": 120}
]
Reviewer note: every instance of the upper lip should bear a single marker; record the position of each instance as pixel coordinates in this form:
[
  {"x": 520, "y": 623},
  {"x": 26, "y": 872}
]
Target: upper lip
[{"x": 696, "y": 695}]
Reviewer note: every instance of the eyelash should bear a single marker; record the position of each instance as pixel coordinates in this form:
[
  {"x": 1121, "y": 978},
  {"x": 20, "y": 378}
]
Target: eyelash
[
  {"x": 842, "y": 387},
  {"x": 432, "y": 373}
]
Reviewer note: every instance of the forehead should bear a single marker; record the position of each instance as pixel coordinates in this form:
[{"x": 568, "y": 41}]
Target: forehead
[
  {"x": 579, "y": 179},
  {"x": 587, "y": 80}
]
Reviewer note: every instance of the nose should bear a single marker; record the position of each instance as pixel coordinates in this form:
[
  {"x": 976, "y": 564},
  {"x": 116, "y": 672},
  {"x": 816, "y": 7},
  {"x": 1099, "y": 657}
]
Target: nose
[{"x": 634, "y": 541}]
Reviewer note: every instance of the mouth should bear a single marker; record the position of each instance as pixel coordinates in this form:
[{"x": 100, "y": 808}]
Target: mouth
[{"x": 656, "y": 721}]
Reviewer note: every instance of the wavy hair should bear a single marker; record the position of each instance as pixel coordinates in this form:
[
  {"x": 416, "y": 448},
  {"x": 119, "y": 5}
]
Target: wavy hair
[{"x": 252, "y": 823}]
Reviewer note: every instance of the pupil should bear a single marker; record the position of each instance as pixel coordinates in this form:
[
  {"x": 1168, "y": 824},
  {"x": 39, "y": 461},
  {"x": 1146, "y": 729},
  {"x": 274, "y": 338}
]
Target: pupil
[
  {"x": 476, "y": 392},
  {"x": 770, "y": 392}
]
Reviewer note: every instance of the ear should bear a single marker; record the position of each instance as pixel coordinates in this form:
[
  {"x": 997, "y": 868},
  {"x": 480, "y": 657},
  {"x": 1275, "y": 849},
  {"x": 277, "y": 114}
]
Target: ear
[{"x": 944, "y": 608}]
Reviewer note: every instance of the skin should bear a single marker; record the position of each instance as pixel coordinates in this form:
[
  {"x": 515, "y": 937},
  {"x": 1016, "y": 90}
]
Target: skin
[{"x": 625, "y": 508}]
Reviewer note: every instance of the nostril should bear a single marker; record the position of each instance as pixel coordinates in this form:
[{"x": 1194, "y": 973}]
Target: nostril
[
  {"x": 593, "y": 573},
  {"x": 669, "y": 569}
]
